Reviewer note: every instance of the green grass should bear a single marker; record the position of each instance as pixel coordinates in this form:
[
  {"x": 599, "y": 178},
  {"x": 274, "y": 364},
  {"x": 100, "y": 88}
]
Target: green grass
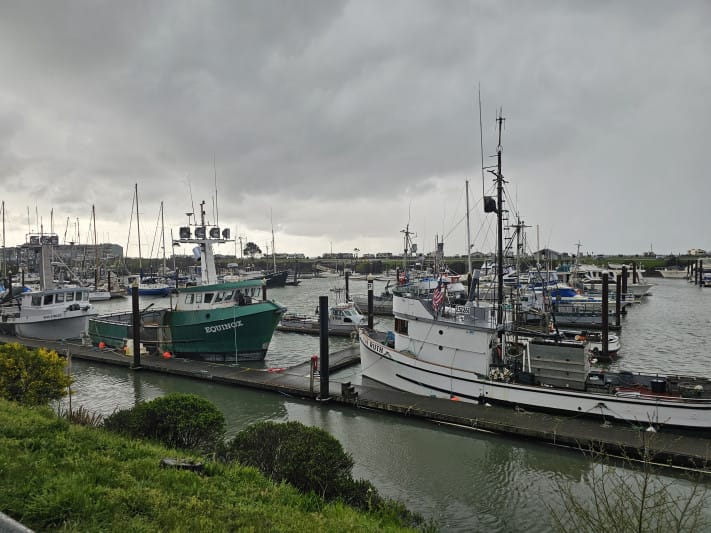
[{"x": 57, "y": 476}]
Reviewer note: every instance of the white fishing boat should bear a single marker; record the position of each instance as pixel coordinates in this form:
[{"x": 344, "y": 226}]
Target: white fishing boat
[
  {"x": 473, "y": 353},
  {"x": 51, "y": 313}
]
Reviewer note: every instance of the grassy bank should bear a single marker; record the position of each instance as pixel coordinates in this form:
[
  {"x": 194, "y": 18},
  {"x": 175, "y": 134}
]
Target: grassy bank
[{"x": 63, "y": 477}]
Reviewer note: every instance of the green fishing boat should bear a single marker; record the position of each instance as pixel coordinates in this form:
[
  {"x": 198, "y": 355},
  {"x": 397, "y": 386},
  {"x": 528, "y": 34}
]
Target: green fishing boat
[{"x": 219, "y": 321}]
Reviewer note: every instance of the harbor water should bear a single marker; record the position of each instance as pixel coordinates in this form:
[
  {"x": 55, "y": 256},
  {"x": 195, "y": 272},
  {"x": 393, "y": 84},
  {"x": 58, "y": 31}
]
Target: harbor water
[{"x": 461, "y": 479}]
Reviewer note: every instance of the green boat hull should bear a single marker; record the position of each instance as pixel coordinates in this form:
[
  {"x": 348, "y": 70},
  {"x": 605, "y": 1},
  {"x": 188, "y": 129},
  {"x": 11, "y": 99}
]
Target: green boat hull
[{"x": 238, "y": 333}]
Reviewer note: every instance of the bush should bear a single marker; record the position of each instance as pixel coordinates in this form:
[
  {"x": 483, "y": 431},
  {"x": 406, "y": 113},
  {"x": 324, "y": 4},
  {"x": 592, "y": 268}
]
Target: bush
[
  {"x": 32, "y": 377},
  {"x": 176, "y": 420},
  {"x": 306, "y": 457}
]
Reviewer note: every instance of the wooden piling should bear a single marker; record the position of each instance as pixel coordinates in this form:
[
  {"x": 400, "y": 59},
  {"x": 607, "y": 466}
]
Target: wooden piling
[
  {"x": 136, "y": 319},
  {"x": 324, "y": 392}
]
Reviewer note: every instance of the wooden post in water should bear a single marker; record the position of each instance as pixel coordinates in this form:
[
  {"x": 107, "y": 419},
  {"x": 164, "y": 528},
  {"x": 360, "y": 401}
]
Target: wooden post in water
[
  {"x": 605, "y": 315},
  {"x": 624, "y": 282},
  {"x": 701, "y": 272},
  {"x": 264, "y": 289},
  {"x": 136, "y": 315},
  {"x": 635, "y": 276},
  {"x": 346, "y": 275},
  {"x": 618, "y": 301},
  {"x": 370, "y": 302},
  {"x": 324, "y": 393}
]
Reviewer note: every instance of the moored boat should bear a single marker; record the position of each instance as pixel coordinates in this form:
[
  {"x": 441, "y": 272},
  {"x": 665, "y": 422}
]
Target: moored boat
[
  {"x": 343, "y": 320},
  {"x": 475, "y": 353},
  {"x": 50, "y": 313},
  {"x": 224, "y": 321}
]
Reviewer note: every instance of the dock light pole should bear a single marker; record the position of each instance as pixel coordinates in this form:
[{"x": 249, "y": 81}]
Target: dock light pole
[
  {"x": 324, "y": 393},
  {"x": 136, "y": 316},
  {"x": 370, "y": 301}
]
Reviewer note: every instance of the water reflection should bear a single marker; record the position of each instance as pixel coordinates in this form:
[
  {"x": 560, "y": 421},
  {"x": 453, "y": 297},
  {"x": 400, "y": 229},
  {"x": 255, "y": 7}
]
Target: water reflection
[{"x": 465, "y": 480}]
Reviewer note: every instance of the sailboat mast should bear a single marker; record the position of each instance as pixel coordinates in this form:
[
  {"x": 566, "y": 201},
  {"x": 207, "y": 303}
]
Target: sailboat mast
[
  {"x": 4, "y": 259},
  {"x": 138, "y": 229},
  {"x": 469, "y": 245},
  {"x": 96, "y": 249},
  {"x": 500, "y": 228},
  {"x": 273, "y": 250}
]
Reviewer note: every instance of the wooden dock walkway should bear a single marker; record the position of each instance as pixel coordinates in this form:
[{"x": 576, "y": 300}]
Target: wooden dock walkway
[{"x": 687, "y": 450}]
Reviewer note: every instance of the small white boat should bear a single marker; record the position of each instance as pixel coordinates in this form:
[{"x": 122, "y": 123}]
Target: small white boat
[
  {"x": 673, "y": 273},
  {"x": 343, "y": 320}
]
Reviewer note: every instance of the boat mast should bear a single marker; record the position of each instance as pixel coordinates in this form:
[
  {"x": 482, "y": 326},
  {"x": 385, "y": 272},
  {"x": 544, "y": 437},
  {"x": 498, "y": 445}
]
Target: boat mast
[
  {"x": 500, "y": 228},
  {"x": 4, "y": 260},
  {"x": 138, "y": 229},
  {"x": 271, "y": 219},
  {"x": 96, "y": 250},
  {"x": 469, "y": 245}
]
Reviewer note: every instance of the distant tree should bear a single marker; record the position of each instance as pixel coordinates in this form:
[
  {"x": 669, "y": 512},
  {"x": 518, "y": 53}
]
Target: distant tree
[
  {"x": 32, "y": 376},
  {"x": 251, "y": 249}
]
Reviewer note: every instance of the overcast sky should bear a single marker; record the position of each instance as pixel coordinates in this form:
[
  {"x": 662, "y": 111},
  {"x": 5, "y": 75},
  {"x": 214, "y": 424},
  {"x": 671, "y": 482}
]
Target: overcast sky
[{"x": 340, "y": 122}]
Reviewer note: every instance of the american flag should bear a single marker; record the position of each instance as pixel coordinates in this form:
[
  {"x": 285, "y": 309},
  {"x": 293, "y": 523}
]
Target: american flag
[{"x": 438, "y": 296}]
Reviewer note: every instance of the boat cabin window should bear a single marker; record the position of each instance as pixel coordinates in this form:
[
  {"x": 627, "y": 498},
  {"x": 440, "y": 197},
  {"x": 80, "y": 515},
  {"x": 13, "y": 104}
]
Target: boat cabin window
[
  {"x": 228, "y": 295},
  {"x": 198, "y": 298},
  {"x": 189, "y": 298},
  {"x": 36, "y": 301},
  {"x": 208, "y": 297},
  {"x": 84, "y": 296},
  {"x": 59, "y": 297},
  {"x": 219, "y": 296},
  {"x": 69, "y": 297},
  {"x": 48, "y": 298},
  {"x": 400, "y": 326}
]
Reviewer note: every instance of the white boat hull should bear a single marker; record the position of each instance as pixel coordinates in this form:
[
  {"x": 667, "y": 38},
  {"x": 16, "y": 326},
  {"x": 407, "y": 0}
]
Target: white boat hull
[
  {"x": 67, "y": 327},
  {"x": 405, "y": 372}
]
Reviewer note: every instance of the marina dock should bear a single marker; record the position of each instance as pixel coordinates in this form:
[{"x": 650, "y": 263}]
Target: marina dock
[{"x": 668, "y": 448}]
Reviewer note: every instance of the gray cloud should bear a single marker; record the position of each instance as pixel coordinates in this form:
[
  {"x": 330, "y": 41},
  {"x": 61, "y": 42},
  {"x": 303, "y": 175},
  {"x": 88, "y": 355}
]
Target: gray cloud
[{"x": 347, "y": 119}]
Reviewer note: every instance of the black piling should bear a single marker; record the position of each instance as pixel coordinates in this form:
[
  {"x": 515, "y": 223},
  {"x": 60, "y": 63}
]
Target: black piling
[
  {"x": 264, "y": 290},
  {"x": 624, "y": 282},
  {"x": 346, "y": 275},
  {"x": 370, "y": 302},
  {"x": 136, "y": 315},
  {"x": 324, "y": 393},
  {"x": 635, "y": 275},
  {"x": 701, "y": 273},
  {"x": 618, "y": 301},
  {"x": 605, "y": 316}
]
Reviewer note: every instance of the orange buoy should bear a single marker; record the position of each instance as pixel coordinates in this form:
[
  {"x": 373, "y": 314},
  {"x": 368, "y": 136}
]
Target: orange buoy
[
  {"x": 166, "y": 355},
  {"x": 455, "y": 398},
  {"x": 102, "y": 345}
]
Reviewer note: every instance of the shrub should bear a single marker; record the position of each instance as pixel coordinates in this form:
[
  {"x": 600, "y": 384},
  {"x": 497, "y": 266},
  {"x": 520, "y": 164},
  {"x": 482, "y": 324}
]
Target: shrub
[
  {"x": 176, "y": 420},
  {"x": 308, "y": 458},
  {"x": 32, "y": 377}
]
